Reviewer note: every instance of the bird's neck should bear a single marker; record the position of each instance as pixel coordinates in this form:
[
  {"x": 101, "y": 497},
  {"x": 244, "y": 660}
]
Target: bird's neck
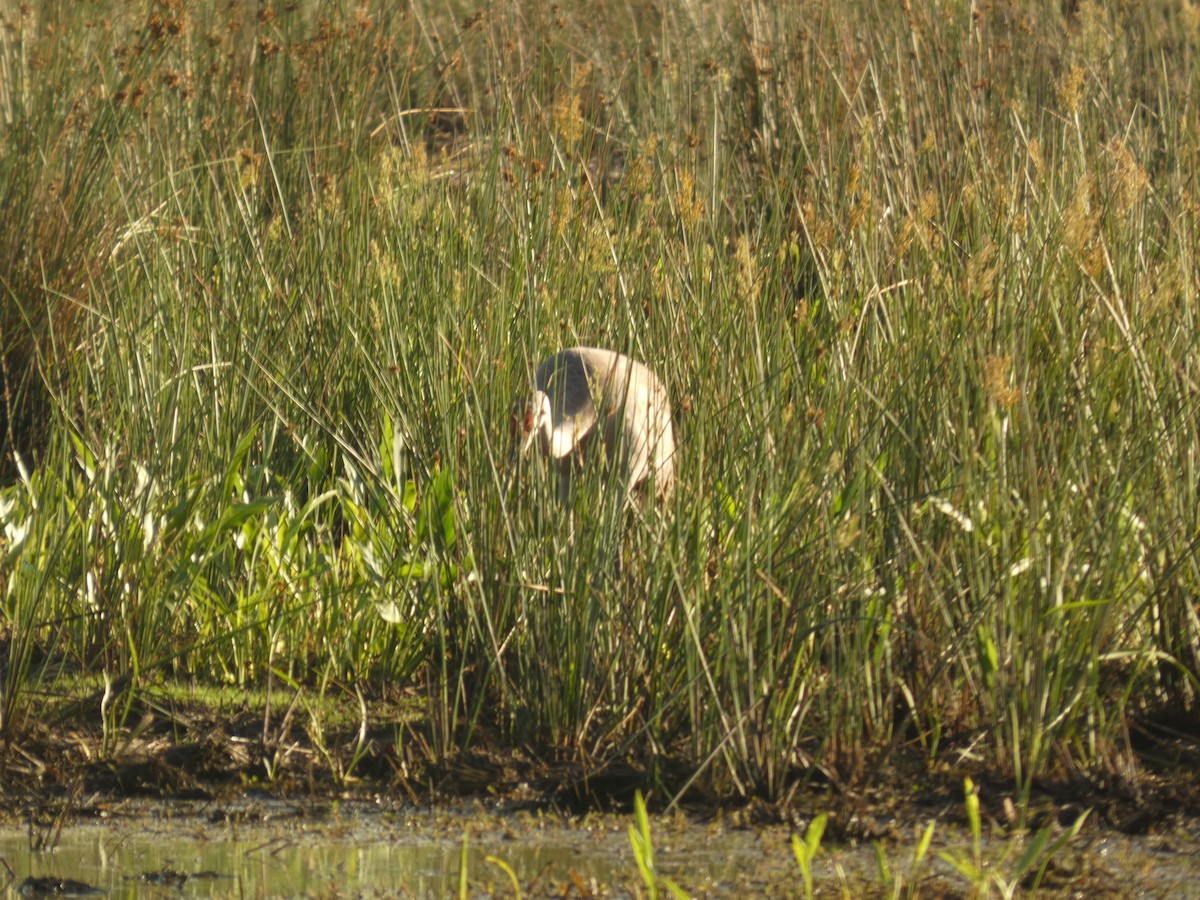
[{"x": 559, "y": 441}]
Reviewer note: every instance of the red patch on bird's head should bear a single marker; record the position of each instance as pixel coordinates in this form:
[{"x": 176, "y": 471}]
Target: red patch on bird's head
[{"x": 521, "y": 423}]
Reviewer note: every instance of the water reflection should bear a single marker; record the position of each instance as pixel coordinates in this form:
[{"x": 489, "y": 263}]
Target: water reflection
[{"x": 274, "y": 849}]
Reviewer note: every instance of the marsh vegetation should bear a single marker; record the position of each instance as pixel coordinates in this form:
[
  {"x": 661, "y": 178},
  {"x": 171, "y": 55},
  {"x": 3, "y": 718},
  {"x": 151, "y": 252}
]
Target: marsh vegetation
[{"x": 920, "y": 280}]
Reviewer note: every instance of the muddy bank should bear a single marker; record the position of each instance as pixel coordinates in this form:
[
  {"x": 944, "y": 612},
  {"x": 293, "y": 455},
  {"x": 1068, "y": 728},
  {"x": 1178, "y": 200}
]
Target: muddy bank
[
  {"x": 65, "y": 766},
  {"x": 204, "y": 799}
]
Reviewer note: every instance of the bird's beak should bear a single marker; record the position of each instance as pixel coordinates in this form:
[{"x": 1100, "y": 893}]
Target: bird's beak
[
  {"x": 510, "y": 474},
  {"x": 519, "y": 447},
  {"x": 527, "y": 442}
]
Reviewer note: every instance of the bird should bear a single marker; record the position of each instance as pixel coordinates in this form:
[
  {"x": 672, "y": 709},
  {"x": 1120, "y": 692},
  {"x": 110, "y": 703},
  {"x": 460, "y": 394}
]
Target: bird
[{"x": 585, "y": 395}]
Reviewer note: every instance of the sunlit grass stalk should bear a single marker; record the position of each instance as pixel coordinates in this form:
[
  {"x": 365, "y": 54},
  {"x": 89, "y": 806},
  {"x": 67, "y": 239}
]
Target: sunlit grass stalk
[{"x": 927, "y": 328}]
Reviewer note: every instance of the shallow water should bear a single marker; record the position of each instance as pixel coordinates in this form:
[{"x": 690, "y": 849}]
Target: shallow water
[
  {"x": 274, "y": 849},
  {"x": 355, "y": 850}
]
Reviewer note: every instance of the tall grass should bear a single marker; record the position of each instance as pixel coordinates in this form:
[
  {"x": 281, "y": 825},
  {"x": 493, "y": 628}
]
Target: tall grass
[{"x": 921, "y": 284}]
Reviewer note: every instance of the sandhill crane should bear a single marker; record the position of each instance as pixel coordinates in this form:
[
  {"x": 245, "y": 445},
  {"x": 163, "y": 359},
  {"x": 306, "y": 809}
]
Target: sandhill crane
[{"x": 584, "y": 394}]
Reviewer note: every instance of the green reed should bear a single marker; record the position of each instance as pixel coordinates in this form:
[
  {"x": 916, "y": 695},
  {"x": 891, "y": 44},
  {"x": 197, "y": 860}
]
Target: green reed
[{"x": 920, "y": 285}]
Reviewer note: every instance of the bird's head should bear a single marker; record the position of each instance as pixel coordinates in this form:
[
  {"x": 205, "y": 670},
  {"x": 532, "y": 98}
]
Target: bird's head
[{"x": 530, "y": 422}]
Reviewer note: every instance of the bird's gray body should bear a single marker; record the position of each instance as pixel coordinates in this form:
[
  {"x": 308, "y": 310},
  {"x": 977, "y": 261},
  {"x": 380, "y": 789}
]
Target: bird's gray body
[{"x": 583, "y": 395}]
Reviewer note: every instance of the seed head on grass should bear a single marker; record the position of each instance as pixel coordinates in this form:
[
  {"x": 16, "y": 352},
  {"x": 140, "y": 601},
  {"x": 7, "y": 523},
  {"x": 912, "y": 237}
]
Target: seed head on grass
[
  {"x": 982, "y": 269},
  {"x": 1189, "y": 21},
  {"x": 853, "y": 179},
  {"x": 747, "y": 270},
  {"x": 567, "y": 117},
  {"x": 1034, "y": 152},
  {"x": 997, "y": 381},
  {"x": 637, "y": 174},
  {"x": 1129, "y": 180},
  {"x": 248, "y": 164},
  {"x": 1093, "y": 37},
  {"x": 1070, "y": 89},
  {"x": 916, "y": 228},
  {"x": 821, "y": 229},
  {"x": 690, "y": 207},
  {"x": 1081, "y": 227},
  {"x": 581, "y": 76}
]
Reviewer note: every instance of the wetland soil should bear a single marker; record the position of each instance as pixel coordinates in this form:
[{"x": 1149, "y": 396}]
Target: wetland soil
[{"x": 63, "y": 765}]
